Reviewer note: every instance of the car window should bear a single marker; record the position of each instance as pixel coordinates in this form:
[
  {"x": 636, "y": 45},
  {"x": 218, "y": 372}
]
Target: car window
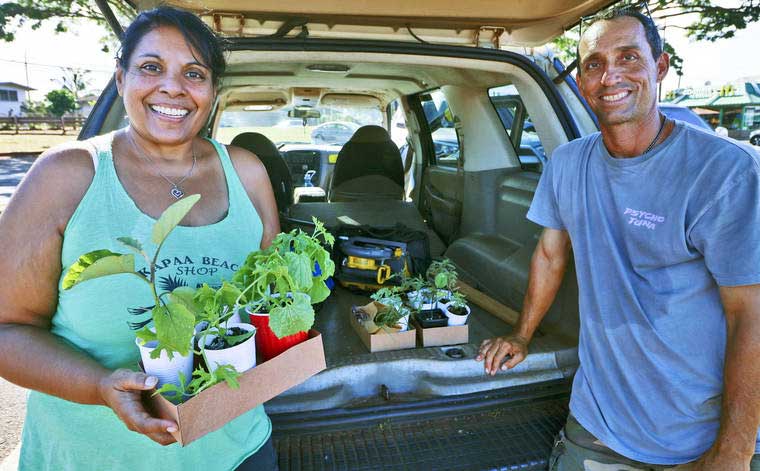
[
  {"x": 519, "y": 127},
  {"x": 334, "y": 126},
  {"x": 441, "y": 124},
  {"x": 752, "y": 117}
]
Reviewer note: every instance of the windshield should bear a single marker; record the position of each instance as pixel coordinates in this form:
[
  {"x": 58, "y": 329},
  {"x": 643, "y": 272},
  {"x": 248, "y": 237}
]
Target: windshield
[{"x": 334, "y": 126}]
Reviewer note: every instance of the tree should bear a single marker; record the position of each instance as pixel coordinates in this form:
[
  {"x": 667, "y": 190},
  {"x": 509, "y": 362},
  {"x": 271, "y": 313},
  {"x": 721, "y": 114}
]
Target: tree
[
  {"x": 16, "y": 13},
  {"x": 61, "y": 102},
  {"x": 35, "y": 108},
  {"x": 74, "y": 80},
  {"x": 712, "y": 22}
]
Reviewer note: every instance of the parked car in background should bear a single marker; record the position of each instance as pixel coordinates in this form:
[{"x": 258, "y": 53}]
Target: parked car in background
[
  {"x": 335, "y": 132},
  {"x": 754, "y": 137},
  {"x": 683, "y": 113}
]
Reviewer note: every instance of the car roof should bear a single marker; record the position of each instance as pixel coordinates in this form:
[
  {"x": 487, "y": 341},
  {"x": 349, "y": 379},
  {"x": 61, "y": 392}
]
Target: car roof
[
  {"x": 684, "y": 114},
  {"x": 506, "y": 23}
]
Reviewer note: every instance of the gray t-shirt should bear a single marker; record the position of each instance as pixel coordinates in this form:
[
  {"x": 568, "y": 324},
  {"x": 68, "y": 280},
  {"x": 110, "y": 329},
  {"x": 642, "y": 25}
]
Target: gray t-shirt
[{"x": 653, "y": 237}]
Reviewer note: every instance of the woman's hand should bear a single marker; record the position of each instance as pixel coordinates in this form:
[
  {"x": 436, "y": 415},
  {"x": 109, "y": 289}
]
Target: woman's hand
[{"x": 121, "y": 390}]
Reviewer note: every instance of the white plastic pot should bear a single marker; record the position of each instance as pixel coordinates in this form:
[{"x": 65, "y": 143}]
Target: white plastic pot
[
  {"x": 165, "y": 369},
  {"x": 456, "y": 319},
  {"x": 242, "y": 356}
]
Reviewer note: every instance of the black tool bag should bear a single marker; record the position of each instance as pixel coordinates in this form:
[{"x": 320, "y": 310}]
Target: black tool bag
[{"x": 417, "y": 243}]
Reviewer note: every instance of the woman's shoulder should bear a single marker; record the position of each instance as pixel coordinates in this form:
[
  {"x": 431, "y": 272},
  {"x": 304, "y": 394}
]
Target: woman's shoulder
[
  {"x": 71, "y": 165},
  {"x": 58, "y": 180},
  {"x": 248, "y": 166}
]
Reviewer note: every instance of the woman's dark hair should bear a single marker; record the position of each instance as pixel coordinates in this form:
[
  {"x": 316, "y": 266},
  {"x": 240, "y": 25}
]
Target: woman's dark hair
[{"x": 197, "y": 34}]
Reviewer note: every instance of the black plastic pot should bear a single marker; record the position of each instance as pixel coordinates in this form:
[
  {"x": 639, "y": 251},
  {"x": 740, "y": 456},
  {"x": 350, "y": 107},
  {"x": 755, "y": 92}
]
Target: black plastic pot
[{"x": 432, "y": 318}]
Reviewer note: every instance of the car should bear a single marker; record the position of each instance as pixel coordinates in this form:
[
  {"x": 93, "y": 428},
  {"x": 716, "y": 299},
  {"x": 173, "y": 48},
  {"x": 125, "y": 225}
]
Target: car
[
  {"x": 466, "y": 187},
  {"x": 683, "y": 113},
  {"x": 754, "y": 137},
  {"x": 333, "y": 132}
]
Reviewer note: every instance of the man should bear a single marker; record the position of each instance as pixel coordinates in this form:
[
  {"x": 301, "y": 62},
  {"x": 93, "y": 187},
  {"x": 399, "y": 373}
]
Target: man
[{"x": 663, "y": 222}]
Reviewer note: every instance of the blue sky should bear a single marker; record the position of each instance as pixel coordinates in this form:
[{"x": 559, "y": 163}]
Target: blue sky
[{"x": 718, "y": 62}]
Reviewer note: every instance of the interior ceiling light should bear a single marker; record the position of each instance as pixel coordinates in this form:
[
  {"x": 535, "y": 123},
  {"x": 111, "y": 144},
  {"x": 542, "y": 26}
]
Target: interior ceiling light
[{"x": 329, "y": 68}]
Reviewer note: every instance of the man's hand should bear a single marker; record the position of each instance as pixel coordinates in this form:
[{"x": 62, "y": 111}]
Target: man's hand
[
  {"x": 494, "y": 350},
  {"x": 122, "y": 390}
]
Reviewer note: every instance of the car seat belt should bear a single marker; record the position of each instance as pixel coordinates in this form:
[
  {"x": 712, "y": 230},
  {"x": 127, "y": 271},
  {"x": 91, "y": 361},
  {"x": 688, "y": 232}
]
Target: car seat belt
[{"x": 408, "y": 165}]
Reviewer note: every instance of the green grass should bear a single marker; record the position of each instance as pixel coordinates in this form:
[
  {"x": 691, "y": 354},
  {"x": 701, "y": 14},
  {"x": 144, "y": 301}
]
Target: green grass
[{"x": 32, "y": 142}]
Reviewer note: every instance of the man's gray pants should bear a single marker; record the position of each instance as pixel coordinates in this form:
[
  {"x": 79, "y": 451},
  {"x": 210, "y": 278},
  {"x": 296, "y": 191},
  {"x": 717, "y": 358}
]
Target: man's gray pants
[{"x": 576, "y": 449}]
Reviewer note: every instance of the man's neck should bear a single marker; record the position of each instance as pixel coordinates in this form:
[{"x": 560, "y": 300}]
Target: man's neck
[{"x": 632, "y": 139}]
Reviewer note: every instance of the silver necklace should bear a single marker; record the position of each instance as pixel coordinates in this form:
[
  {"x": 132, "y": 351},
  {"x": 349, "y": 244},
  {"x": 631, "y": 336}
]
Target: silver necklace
[
  {"x": 657, "y": 137},
  {"x": 176, "y": 191}
]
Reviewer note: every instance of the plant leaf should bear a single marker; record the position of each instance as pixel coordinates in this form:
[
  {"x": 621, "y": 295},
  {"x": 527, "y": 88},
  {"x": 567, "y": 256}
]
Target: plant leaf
[
  {"x": 185, "y": 295},
  {"x": 229, "y": 374},
  {"x": 97, "y": 264},
  {"x": 295, "y": 316},
  {"x": 174, "y": 329},
  {"x": 319, "y": 291},
  {"x": 227, "y": 295},
  {"x": 132, "y": 243},
  {"x": 146, "y": 335},
  {"x": 299, "y": 268},
  {"x": 171, "y": 217}
]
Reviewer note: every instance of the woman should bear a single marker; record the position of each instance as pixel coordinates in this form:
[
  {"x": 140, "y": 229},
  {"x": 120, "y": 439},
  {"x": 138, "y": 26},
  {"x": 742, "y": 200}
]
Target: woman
[{"x": 75, "y": 349}]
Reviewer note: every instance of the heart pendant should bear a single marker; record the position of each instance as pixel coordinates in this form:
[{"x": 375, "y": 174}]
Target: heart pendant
[{"x": 177, "y": 193}]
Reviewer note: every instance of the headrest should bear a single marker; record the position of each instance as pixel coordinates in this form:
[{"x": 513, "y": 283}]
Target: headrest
[
  {"x": 257, "y": 143},
  {"x": 370, "y": 133}
]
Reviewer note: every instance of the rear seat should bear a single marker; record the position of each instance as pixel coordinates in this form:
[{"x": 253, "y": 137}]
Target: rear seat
[{"x": 498, "y": 263}]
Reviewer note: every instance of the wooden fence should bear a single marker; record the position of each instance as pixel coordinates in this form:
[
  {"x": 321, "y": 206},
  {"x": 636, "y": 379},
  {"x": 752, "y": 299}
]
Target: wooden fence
[{"x": 25, "y": 123}]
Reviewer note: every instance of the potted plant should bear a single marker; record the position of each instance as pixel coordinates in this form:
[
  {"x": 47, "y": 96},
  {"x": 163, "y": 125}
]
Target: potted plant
[
  {"x": 165, "y": 347},
  {"x": 393, "y": 312},
  {"x": 457, "y": 309},
  {"x": 443, "y": 275},
  {"x": 280, "y": 284},
  {"x": 222, "y": 339},
  {"x": 420, "y": 294}
]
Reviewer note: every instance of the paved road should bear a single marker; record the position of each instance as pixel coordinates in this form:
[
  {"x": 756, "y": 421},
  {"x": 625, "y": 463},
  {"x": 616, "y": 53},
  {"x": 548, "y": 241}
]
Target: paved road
[{"x": 12, "y": 170}]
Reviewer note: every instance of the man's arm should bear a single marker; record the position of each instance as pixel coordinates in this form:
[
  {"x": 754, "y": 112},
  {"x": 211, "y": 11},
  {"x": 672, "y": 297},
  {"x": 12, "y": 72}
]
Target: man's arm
[
  {"x": 740, "y": 407},
  {"x": 547, "y": 267}
]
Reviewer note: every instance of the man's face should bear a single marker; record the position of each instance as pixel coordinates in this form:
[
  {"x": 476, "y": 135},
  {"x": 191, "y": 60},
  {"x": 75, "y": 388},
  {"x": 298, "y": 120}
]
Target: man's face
[{"x": 617, "y": 75}]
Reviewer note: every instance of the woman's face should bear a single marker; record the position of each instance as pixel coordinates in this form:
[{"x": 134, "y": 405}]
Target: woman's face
[{"x": 167, "y": 92}]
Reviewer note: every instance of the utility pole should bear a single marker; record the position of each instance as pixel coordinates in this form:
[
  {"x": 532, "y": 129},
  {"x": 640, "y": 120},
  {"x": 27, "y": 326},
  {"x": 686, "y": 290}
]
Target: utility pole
[{"x": 26, "y": 69}]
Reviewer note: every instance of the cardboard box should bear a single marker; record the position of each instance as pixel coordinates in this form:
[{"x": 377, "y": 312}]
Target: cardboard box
[
  {"x": 437, "y": 336},
  {"x": 214, "y": 407},
  {"x": 382, "y": 340}
]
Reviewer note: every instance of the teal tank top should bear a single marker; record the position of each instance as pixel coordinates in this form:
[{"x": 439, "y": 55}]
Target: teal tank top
[{"x": 98, "y": 317}]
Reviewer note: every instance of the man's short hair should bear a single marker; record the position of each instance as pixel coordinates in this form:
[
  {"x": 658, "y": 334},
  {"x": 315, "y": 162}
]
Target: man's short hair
[{"x": 652, "y": 34}]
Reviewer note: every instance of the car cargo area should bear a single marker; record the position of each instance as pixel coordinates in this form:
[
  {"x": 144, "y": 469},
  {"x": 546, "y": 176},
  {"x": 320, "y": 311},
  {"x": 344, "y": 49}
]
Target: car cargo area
[{"x": 423, "y": 407}]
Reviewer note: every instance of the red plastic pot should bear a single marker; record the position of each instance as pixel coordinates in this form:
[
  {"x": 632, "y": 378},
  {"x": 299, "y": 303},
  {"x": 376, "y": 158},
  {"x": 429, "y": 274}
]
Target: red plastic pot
[{"x": 267, "y": 344}]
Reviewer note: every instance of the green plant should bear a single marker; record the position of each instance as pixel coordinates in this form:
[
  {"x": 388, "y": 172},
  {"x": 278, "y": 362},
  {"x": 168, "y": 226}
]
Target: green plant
[
  {"x": 388, "y": 296},
  {"x": 200, "y": 381},
  {"x": 389, "y": 315},
  {"x": 443, "y": 274},
  {"x": 174, "y": 320},
  {"x": 282, "y": 281}
]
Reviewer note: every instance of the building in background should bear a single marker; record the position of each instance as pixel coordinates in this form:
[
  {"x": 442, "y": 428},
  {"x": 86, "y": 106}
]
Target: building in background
[
  {"x": 735, "y": 106},
  {"x": 12, "y": 96}
]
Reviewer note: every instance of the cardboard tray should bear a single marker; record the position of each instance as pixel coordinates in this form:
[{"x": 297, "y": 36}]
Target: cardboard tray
[
  {"x": 437, "y": 336},
  {"x": 214, "y": 407},
  {"x": 381, "y": 342}
]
